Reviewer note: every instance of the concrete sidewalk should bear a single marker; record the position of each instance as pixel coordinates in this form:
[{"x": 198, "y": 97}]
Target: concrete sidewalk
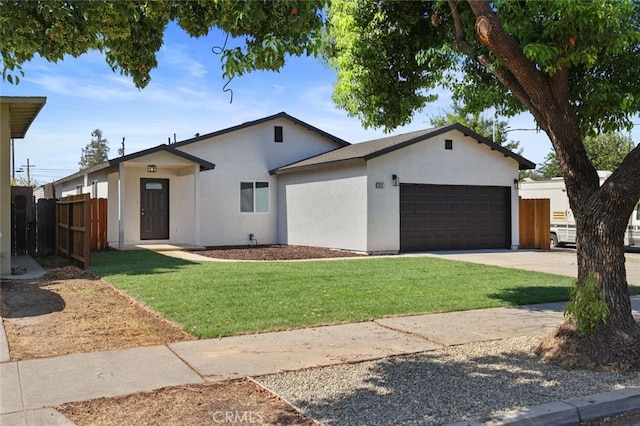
[{"x": 28, "y": 387}]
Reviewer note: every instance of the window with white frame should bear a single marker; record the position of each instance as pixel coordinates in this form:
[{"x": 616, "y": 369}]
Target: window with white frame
[{"x": 254, "y": 197}]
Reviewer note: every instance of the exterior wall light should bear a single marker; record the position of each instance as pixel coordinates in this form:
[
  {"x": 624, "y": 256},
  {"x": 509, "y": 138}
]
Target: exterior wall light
[
  {"x": 396, "y": 180},
  {"x": 151, "y": 168},
  {"x": 516, "y": 184}
]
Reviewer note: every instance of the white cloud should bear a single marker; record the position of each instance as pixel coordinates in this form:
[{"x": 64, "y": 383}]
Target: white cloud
[{"x": 177, "y": 55}]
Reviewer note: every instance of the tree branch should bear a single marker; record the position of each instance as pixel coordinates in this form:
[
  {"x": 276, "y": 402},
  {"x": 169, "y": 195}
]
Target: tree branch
[
  {"x": 547, "y": 97},
  {"x": 627, "y": 177},
  {"x": 504, "y": 76},
  {"x": 490, "y": 33},
  {"x": 460, "y": 43}
]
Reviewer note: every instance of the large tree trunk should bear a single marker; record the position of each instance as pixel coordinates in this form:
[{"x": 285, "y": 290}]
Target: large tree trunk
[
  {"x": 600, "y": 251},
  {"x": 602, "y": 216},
  {"x": 601, "y": 213}
]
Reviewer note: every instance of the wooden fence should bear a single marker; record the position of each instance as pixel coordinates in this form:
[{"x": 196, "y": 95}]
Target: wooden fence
[
  {"x": 535, "y": 223},
  {"x": 99, "y": 224},
  {"x": 73, "y": 227},
  {"x": 81, "y": 226}
]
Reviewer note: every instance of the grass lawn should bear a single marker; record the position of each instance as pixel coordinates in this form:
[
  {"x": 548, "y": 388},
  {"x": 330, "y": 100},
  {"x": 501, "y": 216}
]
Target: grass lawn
[{"x": 214, "y": 299}]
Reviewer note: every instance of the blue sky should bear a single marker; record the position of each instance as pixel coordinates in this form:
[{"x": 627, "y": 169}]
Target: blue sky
[{"x": 185, "y": 97}]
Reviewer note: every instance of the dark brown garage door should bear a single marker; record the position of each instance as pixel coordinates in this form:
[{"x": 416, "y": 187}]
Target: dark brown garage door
[{"x": 454, "y": 217}]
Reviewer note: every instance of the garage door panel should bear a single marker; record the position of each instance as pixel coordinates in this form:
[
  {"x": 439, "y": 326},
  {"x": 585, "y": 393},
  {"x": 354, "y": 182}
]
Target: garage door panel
[
  {"x": 454, "y": 217},
  {"x": 423, "y": 207},
  {"x": 483, "y": 207}
]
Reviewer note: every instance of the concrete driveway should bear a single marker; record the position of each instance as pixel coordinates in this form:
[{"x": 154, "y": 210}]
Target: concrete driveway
[{"x": 557, "y": 261}]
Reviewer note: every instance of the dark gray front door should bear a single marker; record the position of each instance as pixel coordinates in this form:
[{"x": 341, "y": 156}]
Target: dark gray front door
[
  {"x": 454, "y": 217},
  {"x": 154, "y": 209}
]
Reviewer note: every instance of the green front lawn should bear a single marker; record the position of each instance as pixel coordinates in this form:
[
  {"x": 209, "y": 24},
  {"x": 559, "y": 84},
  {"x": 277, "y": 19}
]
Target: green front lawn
[{"x": 214, "y": 299}]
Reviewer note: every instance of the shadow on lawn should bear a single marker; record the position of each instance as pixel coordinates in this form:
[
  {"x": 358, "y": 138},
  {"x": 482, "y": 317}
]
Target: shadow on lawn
[
  {"x": 134, "y": 262},
  {"x": 438, "y": 388},
  {"x": 532, "y": 295}
]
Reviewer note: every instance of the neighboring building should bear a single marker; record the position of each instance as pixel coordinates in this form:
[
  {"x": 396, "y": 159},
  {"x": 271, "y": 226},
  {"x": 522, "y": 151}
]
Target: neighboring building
[
  {"x": 563, "y": 224},
  {"x": 278, "y": 180},
  {"x": 16, "y": 115}
]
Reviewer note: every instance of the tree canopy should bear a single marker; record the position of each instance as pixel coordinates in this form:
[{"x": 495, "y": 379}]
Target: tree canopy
[
  {"x": 95, "y": 152},
  {"x": 130, "y": 33},
  {"x": 391, "y": 57}
]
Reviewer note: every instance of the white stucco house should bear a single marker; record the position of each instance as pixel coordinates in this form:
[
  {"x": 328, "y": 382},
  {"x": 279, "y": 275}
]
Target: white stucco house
[
  {"x": 279, "y": 180},
  {"x": 17, "y": 113}
]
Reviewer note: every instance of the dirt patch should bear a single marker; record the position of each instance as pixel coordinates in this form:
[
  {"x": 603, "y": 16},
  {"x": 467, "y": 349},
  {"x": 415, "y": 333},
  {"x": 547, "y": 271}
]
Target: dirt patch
[
  {"x": 233, "y": 402},
  {"x": 63, "y": 316},
  {"x": 276, "y": 252}
]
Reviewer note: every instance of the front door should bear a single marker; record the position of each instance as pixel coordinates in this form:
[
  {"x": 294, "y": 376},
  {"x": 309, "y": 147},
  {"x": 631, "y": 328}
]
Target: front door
[{"x": 154, "y": 209}]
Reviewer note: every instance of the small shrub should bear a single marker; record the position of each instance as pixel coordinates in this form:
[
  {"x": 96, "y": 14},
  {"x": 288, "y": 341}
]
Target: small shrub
[{"x": 587, "y": 306}]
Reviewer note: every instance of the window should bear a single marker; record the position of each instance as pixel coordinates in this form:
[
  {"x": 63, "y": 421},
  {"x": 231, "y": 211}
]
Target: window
[
  {"x": 254, "y": 197},
  {"x": 277, "y": 134},
  {"x": 638, "y": 212},
  {"x": 448, "y": 144}
]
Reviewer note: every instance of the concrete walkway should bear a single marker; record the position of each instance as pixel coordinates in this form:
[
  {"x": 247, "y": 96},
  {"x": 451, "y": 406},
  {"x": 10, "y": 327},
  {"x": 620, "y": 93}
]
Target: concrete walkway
[
  {"x": 32, "y": 271},
  {"x": 29, "y": 387}
]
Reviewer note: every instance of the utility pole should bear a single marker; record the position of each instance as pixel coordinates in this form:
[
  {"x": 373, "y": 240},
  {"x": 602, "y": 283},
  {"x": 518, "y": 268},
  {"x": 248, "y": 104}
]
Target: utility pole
[
  {"x": 28, "y": 166},
  {"x": 121, "y": 150}
]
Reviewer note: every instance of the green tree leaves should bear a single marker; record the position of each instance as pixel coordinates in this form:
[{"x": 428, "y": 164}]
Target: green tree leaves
[
  {"x": 388, "y": 57},
  {"x": 130, "y": 33},
  {"x": 493, "y": 129}
]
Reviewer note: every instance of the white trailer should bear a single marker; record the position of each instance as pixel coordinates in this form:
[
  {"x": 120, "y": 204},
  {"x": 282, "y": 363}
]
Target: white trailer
[{"x": 563, "y": 225}]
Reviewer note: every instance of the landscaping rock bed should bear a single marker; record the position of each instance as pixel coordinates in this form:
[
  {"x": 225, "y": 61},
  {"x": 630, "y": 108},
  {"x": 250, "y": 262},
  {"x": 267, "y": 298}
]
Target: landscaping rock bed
[{"x": 276, "y": 252}]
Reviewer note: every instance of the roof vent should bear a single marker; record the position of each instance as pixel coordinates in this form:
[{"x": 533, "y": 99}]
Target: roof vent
[{"x": 277, "y": 134}]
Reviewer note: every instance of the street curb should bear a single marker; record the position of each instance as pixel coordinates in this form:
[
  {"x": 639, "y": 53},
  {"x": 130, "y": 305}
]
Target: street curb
[
  {"x": 568, "y": 412},
  {"x": 4, "y": 344},
  {"x": 607, "y": 404}
]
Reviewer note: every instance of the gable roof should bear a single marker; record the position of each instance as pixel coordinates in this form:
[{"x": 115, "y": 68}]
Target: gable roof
[
  {"x": 204, "y": 165},
  {"x": 365, "y": 151},
  {"x": 109, "y": 164},
  {"x": 248, "y": 124}
]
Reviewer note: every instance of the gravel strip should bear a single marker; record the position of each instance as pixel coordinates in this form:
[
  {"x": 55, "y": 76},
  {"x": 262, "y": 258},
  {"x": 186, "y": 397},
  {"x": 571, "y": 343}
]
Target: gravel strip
[{"x": 466, "y": 382}]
